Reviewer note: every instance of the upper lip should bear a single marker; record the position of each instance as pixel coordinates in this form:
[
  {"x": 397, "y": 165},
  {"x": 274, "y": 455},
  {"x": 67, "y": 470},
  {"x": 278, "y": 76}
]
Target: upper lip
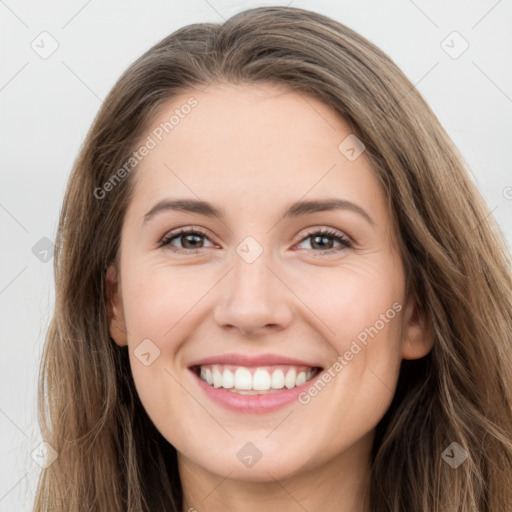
[{"x": 252, "y": 360}]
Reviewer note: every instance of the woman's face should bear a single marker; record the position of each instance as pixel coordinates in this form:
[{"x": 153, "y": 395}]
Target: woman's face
[{"x": 261, "y": 280}]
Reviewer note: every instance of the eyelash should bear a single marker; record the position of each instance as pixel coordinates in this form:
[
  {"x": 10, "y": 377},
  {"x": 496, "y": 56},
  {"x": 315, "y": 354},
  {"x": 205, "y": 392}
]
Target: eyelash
[{"x": 344, "y": 241}]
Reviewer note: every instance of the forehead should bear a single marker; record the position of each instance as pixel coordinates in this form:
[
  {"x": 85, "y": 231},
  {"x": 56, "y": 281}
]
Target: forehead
[{"x": 254, "y": 146}]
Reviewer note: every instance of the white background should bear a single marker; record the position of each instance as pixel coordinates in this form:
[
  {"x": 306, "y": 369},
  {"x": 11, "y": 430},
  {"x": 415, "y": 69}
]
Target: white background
[{"x": 47, "y": 106}]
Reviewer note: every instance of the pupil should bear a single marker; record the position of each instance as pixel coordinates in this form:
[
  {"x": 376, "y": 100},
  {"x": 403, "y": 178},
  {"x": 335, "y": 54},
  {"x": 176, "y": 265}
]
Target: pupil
[
  {"x": 187, "y": 240},
  {"x": 192, "y": 241},
  {"x": 322, "y": 241}
]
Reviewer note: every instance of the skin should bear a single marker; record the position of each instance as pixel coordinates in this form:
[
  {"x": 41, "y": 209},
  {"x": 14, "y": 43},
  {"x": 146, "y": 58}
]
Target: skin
[{"x": 252, "y": 150}]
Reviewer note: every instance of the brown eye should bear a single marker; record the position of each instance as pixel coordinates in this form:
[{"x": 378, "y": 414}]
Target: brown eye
[
  {"x": 190, "y": 240},
  {"x": 321, "y": 241},
  {"x": 324, "y": 240}
]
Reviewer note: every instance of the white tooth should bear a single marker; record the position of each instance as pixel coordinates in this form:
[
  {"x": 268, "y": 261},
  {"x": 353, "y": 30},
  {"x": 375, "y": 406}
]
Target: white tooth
[
  {"x": 277, "y": 381},
  {"x": 203, "y": 373},
  {"x": 209, "y": 377},
  {"x": 309, "y": 374},
  {"x": 301, "y": 378},
  {"x": 290, "y": 378},
  {"x": 261, "y": 380},
  {"x": 217, "y": 377},
  {"x": 228, "y": 379},
  {"x": 243, "y": 379}
]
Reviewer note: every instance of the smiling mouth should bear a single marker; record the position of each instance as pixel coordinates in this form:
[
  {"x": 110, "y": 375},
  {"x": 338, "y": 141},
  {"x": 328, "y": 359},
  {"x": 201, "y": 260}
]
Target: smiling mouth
[{"x": 255, "y": 380}]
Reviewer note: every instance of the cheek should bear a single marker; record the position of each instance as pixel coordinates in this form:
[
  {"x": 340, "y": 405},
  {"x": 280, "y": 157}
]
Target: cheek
[
  {"x": 361, "y": 311},
  {"x": 168, "y": 304},
  {"x": 157, "y": 298},
  {"x": 352, "y": 306},
  {"x": 159, "y": 310},
  {"x": 355, "y": 302}
]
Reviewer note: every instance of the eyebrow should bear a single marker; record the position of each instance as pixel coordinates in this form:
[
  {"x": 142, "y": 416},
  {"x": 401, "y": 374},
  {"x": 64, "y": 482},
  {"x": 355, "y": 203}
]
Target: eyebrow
[{"x": 294, "y": 210}]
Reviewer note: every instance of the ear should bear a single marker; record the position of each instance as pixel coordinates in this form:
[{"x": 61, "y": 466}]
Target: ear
[
  {"x": 418, "y": 335},
  {"x": 117, "y": 324}
]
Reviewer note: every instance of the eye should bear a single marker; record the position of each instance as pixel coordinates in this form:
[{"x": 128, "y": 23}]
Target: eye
[
  {"x": 190, "y": 238},
  {"x": 320, "y": 238}
]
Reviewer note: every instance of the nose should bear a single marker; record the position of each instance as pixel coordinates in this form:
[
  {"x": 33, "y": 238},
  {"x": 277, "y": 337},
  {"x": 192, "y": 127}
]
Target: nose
[{"x": 253, "y": 298}]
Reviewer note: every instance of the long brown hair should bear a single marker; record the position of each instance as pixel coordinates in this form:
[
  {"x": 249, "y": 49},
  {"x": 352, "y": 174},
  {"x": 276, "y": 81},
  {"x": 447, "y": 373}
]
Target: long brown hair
[{"x": 110, "y": 455}]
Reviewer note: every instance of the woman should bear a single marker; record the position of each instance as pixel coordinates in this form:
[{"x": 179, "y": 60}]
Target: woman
[{"x": 202, "y": 358}]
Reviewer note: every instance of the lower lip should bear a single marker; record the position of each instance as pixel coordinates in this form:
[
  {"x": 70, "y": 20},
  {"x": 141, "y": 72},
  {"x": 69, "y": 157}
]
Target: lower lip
[{"x": 257, "y": 404}]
